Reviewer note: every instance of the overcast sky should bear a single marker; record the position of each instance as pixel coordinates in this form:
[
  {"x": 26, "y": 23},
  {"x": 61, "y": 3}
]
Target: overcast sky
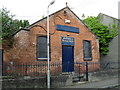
[{"x": 33, "y": 10}]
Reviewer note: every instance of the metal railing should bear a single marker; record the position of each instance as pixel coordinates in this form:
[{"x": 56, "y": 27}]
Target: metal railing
[
  {"x": 38, "y": 72},
  {"x": 40, "y": 68}
]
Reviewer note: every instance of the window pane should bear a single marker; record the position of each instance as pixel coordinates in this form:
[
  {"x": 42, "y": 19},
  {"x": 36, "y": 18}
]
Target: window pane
[
  {"x": 42, "y": 47},
  {"x": 87, "y": 49}
]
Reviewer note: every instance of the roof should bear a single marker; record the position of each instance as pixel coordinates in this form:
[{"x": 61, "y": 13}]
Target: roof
[
  {"x": 107, "y": 16},
  {"x": 46, "y": 17},
  {"x": 27, "y": 29},
  {"x": 59, "y": 11}
]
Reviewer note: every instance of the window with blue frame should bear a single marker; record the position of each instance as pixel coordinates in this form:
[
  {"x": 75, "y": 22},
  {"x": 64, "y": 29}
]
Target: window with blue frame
[{"x": 87, "y": 50}]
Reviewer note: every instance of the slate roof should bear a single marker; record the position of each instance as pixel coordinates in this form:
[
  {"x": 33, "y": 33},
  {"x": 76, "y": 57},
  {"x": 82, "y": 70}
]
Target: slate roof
[{"x": 107, "y": 16}]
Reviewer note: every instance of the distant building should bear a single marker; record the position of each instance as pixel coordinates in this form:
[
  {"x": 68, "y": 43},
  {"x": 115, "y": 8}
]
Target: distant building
[{"x": 113, "y": 47}]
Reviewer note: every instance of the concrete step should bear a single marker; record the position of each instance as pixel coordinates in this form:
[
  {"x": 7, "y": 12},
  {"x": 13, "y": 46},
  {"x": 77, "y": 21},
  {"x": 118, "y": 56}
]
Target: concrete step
[{"x": 78, "y": 78}]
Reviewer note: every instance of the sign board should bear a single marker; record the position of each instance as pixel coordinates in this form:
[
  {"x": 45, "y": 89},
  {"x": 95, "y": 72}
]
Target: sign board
[
  {"x": 67, "y": 28},
  {"x": 68, "y": 41}
]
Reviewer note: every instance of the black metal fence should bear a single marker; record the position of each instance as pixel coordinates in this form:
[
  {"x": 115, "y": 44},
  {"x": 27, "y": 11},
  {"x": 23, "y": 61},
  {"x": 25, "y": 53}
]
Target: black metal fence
[{"x": 39, "y": 69}]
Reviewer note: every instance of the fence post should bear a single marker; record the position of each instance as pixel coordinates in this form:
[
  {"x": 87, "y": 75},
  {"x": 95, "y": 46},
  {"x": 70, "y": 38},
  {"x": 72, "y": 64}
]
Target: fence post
[
  {"x": 79, "y": 69},
  {"x": 26, "y": 69},
  {"x": 86, "y": 71}
]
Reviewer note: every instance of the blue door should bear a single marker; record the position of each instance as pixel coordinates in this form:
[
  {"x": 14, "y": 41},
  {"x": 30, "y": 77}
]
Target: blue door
[{"x": 67, "y": 58}]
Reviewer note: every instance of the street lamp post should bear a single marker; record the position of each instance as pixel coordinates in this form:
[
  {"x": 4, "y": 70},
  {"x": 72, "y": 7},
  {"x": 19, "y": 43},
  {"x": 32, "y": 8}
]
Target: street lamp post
[{"x": 48, "y": 44}]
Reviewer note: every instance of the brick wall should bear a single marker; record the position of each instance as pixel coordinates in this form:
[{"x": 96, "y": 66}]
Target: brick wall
[{"x": 24, "y": 49}]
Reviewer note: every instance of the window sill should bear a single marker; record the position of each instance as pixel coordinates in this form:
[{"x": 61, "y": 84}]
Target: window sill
[
  {"x": 42, "y": 59},
  {"x": 87, "y": 59}
]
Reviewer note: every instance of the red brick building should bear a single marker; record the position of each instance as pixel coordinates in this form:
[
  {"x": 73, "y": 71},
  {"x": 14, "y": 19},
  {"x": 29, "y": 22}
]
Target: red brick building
[{"x": 70, "y": 41}]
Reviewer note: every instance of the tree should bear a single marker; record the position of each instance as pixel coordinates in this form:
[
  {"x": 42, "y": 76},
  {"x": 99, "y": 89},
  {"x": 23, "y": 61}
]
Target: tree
[
  {"x": 102, "y": 31},
  {"x": 9, "y": 26}
]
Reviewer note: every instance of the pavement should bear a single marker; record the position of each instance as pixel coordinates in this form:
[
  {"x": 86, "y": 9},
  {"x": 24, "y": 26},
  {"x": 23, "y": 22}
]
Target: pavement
[{"x": 108, "y": 83}]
